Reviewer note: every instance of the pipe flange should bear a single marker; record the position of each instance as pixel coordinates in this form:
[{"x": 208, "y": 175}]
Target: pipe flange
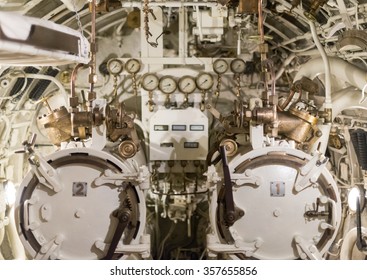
[
  {"x": 127, "y": 149},
  {"x": 230, "y": 146}
]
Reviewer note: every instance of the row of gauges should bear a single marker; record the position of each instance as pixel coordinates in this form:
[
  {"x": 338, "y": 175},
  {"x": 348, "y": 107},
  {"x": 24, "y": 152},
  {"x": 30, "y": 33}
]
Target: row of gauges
[
  {"x": 132, "y": 66},
  {"x": 186, "y": 84},
  {"x": 116, "y": 66},
  {"x": 238, "y": 66}
]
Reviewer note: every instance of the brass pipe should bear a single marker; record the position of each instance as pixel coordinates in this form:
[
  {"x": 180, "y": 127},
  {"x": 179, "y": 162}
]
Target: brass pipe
[
  {"x": 247, "y": 6},
  {"x": 73, "y": 78},
  {"x": 260, "y": 23},
  {"x": 293, "y": 127},
  {"x": 287, "y": 101},
  {"x": 92, "y": 63}
]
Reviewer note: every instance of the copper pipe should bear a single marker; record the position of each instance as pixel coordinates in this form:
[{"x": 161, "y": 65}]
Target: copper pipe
[
  {"x": 73, "y": 78},
  {"x": 289, "y": 99},
  {"x": 92, "y": 62},
  {"x": 260, "y": 23},
  {"x": 286, "y": 102}
]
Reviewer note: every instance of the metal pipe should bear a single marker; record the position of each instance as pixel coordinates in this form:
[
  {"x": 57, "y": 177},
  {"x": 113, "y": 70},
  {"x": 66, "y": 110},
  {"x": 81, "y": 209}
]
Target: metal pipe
[
  {"x": 182, "y": 33},
  {"x": 13, "y": 237},
  {"x": 341, "y": 69},
  {"x": 2, "y": 215},
  {"x": 284, "y": 65},
  {"x": 92, "y": 63},
  {"x": 344, "y": 14},
  {"x": 73, "y": 78},
  {"x": 5, "y": 134},
  {"x": 260, "y": 23},
  {"x": 326, "y": 63},
  {"x": 344, "y": 99},
  {"x": 198, "y": 22}
]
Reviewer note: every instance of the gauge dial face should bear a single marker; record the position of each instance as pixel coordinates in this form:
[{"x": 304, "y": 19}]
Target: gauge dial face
[
  {"x": 149, "y": 81},
  {"x": 167, "y": 84},
  {"x": 187, "y": 84},
  {"x": 115, "y": 66},
  {"x": 132, "y": 66},
  {"x": 220, "y": 66},
  {"x": 238, "y": 66},
  {"x": 204, "y": 81}
]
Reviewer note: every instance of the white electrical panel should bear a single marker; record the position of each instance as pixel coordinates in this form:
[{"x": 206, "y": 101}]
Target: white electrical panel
[{"x": 178, "y": 135}]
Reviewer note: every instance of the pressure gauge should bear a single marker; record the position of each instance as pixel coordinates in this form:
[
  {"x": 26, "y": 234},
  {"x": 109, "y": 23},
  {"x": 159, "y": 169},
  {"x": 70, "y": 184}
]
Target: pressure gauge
[
  {"x": 167, "y": 84},
  {"x": 187, "y": 84},
  {"x": 220, "y": 66},
  {"x": 204, "y": 81},
  {"x": 115, "y": 66},
  {"x": 132, "y": 66},
  {"x": 149, "y": 81},
  {"x": 238, "y": 66}
]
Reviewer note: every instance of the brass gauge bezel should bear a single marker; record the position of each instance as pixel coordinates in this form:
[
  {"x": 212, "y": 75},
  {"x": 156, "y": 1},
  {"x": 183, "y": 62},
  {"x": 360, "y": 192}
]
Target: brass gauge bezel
[
  {"x": 152, "y": 84},
  {"x": 187, "y": 84},
  {"x": 167, "y": 88},
  {"x": 238, "y": 66},
  {"x": 115, "y": 66},
  {"x": 220, "y": 66},
  {"x": 132, "y": 66},
  {"x": 204, "y": 81}
]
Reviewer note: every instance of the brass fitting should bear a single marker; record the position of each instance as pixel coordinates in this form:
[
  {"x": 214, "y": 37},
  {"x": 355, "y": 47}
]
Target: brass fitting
[
  {"x": 299, "y": 126},
  {"x": 326, "y": 115},
  {"x": 57, "y": 124},
  {"x": 248, "y": 7},
  {"x": 265, "y": 115},
  {"x": 314, "y": 9}
]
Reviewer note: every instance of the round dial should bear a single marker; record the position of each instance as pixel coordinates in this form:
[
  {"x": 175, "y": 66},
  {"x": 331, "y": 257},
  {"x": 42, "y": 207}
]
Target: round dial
[
  {"x": 149, "y": 81},
  {"x": 132, "y": 66},
  {"x": 238, "y": 66},
  {"x": 115, "y": 66},
  {"x": 167, "y": 84},
  {"x": 220, "y": 66},
  {"x": 187, "y": 84},
  {"x": 204, "y": 81}
]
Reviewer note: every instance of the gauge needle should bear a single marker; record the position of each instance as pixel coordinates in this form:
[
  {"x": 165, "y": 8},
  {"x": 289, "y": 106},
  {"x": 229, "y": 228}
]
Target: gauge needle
[
  {"x": 203, "y": 82},
  {"x": 167, "y": 85},
  {"x": 132, "y": 66},
  {"x": 187, "y": 85}
]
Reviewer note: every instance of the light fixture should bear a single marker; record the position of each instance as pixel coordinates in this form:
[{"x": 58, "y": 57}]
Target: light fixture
[{"x": 354, "y": 194}]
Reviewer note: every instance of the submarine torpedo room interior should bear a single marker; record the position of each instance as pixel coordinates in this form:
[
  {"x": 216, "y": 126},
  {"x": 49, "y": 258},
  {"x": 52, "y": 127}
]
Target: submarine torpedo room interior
[{"x": 229, "y": 129}]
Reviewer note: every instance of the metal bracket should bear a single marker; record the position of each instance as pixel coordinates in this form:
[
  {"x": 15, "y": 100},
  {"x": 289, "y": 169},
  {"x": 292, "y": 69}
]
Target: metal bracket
[
  {"x": 247, "y": 178},
  {"x": 142, "y": 249},
  {"x": 257, "y": 136},
  {"x": 214, "y": 246},
  {"x": 49, "y": 248},
  {"x": 307, "y": 250},
  {"x": 44, "y": 172},
  {"x": 141, "y": 177},
  {"x": 310, "y": 172},
  {"x": 212, "y": 177}
]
